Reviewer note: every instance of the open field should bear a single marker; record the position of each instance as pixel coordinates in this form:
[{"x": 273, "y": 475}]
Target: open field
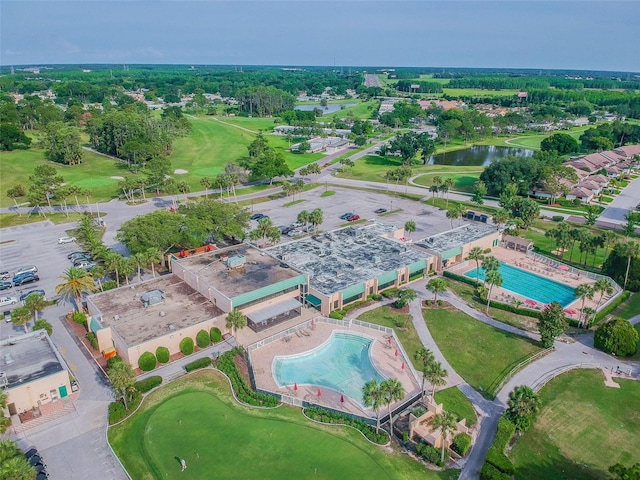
[
  {"x": 630, "y": 308},
  {"x": 480, "y": 353},
  {"x": 583, "y": 428},
  {"x": 197, "y": 419}
]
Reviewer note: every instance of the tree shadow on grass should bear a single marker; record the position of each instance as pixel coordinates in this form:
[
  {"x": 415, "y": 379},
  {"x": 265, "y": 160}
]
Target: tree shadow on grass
[{"x": 558, "y": 468}]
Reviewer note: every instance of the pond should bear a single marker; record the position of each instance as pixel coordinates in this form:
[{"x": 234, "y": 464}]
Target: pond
[
  {"x": 330, "y": 108},
  {"x": 478, "y": 156}
]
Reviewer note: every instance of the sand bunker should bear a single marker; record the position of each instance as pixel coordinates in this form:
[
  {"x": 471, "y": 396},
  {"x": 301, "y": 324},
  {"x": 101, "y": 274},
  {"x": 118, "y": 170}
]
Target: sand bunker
[{"x": 179, "y": 171}]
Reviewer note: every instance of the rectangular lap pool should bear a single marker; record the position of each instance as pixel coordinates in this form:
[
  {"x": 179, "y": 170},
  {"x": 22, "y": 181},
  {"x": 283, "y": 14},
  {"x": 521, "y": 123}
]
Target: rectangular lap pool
[{"x": 530, "y": 285}]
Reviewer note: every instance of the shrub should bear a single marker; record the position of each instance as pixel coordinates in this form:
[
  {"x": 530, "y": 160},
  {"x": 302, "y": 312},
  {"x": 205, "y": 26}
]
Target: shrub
[
  {"x": 109, "y": 285},
  {"x": 461, "y": 444},
  {"x": 431, "y": 454},
  {"x": 112, "y": 361},
  {"x": 147, "y": 362},
  {"x": 93, "y": 340},
  {"x": 329, "y": 416},
  {"x": 617, "y": 337},
  {"x": 162, "y": 354},
  {"x": 337, "y": 314},
  {"x": 226, "y": 364},
  {"x": 557, "y": 218},
  {"x": 375, "y": 296},
  {"x": 80, "y": 318},
  {"x": 147, "y": 384},
  {"x": 202, "y": 339},
  {"x": 486, "y": 250},
  {"x": 489, "y": 472},
  {"x": 196, "y": 364},
  {"x": 495, "y": 455},
  {"x": 186, "y": 346},
  {"x": 116, "y": 412},
  {"x": 390, "y": 293},
  {"x": 215, "y": 334}
]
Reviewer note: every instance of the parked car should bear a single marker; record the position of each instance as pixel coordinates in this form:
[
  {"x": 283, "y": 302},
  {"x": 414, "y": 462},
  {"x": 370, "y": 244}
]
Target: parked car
[
  {"x": 297, "y": 224},
  {"x": 87, "y": 265},
  {"x": 257, "y": 216},
  {"x": 24, "y": 296},
  {"x": 25, "y": 278},
  {"x": 7, "y": 316},
  {"x": 81, "y": 258},
  {"x": 72, "y": 254},
  {"x": 62, "y": 240},
  {"x": 380, "y": 210},
  {"x": 353, "y": 218},
  {"x": 8, "y": 301},
  {"x": 295, "y": 232},
  {"x": 5, "y": 275},
  {"x": 345, "y": 216},
  {"x": 285, "y": 230},
  {"x": 5, "y": 285},
  {"x": 25, "y": 269}
]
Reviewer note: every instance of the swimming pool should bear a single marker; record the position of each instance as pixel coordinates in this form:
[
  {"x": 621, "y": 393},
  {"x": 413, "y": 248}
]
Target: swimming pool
[
  {"x": 530, "y": 285},
  {"x": 342, "y": 363}
]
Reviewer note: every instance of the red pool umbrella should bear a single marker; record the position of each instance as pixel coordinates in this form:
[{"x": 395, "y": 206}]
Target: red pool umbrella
[
  {"x": 341, "y": 398},
  {"x": 563, "y": 267},
  {"x": 389, "y": 340},
  {"x": 396, "y": 352},
  {"x": 295, "y": 387},
  {"x": 402, "y": 365},
  {"x": 319, "y": 393}
]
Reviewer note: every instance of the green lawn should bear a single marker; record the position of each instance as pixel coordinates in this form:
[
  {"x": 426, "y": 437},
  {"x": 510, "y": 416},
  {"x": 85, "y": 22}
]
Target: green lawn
[
  {"x": 401, "y": 323},
  {"x": 630, "y": 308},
  {"x": 462, "y": 182},
  {"x": 480, "y": 353},
  {"x": 583, "y": 428},
  {"x": 454, "y": 401},
  {"x": 13, "y": 219},
  {"x": 196, "y": 419}
]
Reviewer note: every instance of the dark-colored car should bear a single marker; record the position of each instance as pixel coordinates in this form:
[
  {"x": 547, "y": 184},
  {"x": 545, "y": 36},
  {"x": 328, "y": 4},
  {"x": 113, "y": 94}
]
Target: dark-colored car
[
  {"x": 24, "y": 296},
  {"x": 25, "y": 278},
  {"x": 257, "y": 216},
  {"x": 353, "y": 218},
  {"x": 81, "y": 259},
  {"x": 380, "y": 210},
  {"x": 345, "y": 216},
  {"x": 5, "y": 285},
  {"x": 73, "y": 254}
]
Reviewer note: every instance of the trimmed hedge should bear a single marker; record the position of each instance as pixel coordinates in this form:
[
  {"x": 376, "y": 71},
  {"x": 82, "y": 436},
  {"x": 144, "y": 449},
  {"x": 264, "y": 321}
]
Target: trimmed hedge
[
  {"x": 432, "y": 454},
  {"x": 611, "y": 307},
  {"x": 147, "y": 362},
  {"x": 495, "y": 455},
  {"x": 147, "y": 384},
  {"x": 196, "y": 364},
  {"x": 186, "y": 346},
  {"x": 328, "y": 416},
  {"x": 93, "y": 340},
  {"x": 202, "y": 339},
  {"x": 215, "y": 334},
  {"x": 162, "y": 354},
  {"x": 117, "y": 411},
  {"x": 461, "y": 444},
  {"x": 390, "y": 292},
  {"x": 226, "y": 363},
  {"x": 460, "y": 278},
  {"x": 489, "y": 472}
]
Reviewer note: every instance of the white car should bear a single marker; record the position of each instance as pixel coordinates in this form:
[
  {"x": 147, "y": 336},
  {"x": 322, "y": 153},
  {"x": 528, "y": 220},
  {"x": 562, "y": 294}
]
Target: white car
[
  {"x": 62, "y": 240},
  {"x": 8, "y": 301}
]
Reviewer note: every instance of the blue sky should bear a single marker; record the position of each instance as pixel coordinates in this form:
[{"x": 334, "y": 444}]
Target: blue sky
[{"x": 536, "y": 34}]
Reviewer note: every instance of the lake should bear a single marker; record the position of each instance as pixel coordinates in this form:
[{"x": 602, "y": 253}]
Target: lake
[
  {"x": 478, "y": 156},
  {"x": 330, "y": 108}
]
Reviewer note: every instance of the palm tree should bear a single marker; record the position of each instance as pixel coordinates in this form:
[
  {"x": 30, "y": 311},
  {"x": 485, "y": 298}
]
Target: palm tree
[
  {"x": 447, "y": 424},
  {"x": 122, "y": 380},
  {"x": 425, "y": 356},
  {"x": 35, "y": 303},
  {"x": 584, "y": 291},
  {"x": 18, "y": 468},
  {"x": 603, "y": 286},
  {"x": 523, "y": 405},
  {"x": 490, "y": 263},
  {"x": 436, "y": 286},
  {"x": 75, "y": 282},
  {"x": 477, "y": 255},
  {"x": 112, "y": 264},
  {"x": 206, "y": 182},
  {"x": 127, "y": 267},
  {"x": 98, "y": 273},
  {"x": 448, "y": 182},
  {"x": 607, "y": 236},
  {"x": 140, "y": 259},
  {"x": 452, "y": 214},
  {"x": 494, "y": 278},
  {"x": 20, "y": 316},
  {"x": 392, "y": 391},
  {"x": 631, "y": 250},
  {"x": 436, "y": 375},
  {"x": 303, "y": 217},
  {"x": 153, "y": 255},
  {"x": 316, "y": 218},
  {"x": 236, "y": 320},
  {"x": 372, "y": 396},
  {"x": 410, "y": 226},
  {"x": 588, "y": 313},
  {"x": 437, "y": 181},
  {"x": 5, "y": 422}
]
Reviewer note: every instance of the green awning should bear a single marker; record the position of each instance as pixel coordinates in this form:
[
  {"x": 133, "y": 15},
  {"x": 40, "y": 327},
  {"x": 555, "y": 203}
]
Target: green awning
[
  {"x": 313, "y": 300},
  {"x": 452, "y": 252}
]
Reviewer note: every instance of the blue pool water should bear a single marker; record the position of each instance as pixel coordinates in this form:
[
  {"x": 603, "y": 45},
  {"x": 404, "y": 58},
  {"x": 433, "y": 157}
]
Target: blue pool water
[
  {"x": 342, "y": 364},
  {"x": 530, "y": 285}
]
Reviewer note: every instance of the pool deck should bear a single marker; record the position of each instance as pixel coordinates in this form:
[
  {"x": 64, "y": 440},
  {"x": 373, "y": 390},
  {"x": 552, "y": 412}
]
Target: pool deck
[
  {"x": 382, "y": 353},
  {"x": 524, "y": 262}
]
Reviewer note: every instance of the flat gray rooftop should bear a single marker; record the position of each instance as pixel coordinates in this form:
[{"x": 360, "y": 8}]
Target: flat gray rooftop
[
  {"x": 341, "y": 258},
  {"x": 457, "y": 237},
  {"x": 123, "y": 309},
  {"x": 27, "y": 358},
  {"x": 260, "y": 270}
]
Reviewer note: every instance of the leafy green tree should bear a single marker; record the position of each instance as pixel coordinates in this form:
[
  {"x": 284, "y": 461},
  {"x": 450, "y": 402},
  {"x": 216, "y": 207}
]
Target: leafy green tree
[
  {"x": 265, "y": 230},
  {"x": 75, "y": 282},
  {"x": 625, "y": 473},
  {"x": 523, "y": 405},
  {"x": 436, "y": 286},
  {"x": 373, "y": 397},
  {"x": 11, "y": 137},
  {"x": 17, "y": 191},
  {"x": 5, "y": 423},
  {"x": 122, "y": 381},
  {"x": 507, "y": 196},
  {"x": 551, "y": 324},
  {"x": 447, "y": 424},
  {"x": 617, "y": 337},
  {"x": 392, "y": 392},
  {"x": 20, "y": 316},
  {"x": 479, "y": 192},
  {"x": 42, "y": 324},
  {"x": 405, "y": 297},
  {"x": 63, "y": 144},
  {"x": 561, "y": 143},
  {"x": 236, "y": 320},
  {"x": 526, "y": 209}
]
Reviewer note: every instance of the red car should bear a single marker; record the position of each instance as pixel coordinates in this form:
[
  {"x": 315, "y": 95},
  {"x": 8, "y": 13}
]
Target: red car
[{"x": 353, "y": 218}]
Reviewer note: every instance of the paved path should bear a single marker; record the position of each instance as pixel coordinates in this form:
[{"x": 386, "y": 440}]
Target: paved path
[{"x": 627, "y": 200}]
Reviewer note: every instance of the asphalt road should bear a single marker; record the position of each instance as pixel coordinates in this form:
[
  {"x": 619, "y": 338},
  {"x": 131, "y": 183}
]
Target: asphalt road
[{"x": 627, "y": 200}]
